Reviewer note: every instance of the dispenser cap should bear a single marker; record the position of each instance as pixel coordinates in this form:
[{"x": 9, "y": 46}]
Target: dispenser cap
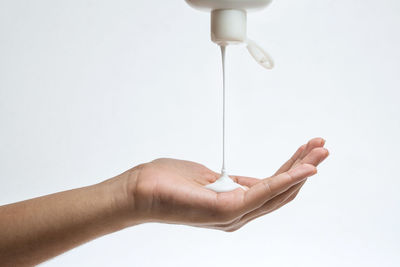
[{"x": 228, "y": 26}]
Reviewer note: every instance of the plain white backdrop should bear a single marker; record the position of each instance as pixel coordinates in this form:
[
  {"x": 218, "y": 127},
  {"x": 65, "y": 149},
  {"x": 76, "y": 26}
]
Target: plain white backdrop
[{"x": 89, "y": 89}]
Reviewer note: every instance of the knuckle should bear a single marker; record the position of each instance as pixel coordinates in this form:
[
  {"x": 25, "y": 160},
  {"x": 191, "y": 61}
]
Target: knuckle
[
  {"x": 290, "y": 177},
  {"x": 141, "y": 166},
  {"x": 267, "y": 186}
]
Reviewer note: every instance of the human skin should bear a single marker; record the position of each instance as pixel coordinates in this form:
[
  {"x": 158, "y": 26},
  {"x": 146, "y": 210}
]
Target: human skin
[{"x": 164, "y": 190}]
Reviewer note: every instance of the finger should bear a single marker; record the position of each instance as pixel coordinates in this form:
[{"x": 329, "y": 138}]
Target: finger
[
  {"x": 245, "y": 181},
  {"x": 274, "y": 203},
  {"x": 262, "y": 190},
  {"x": 299, "y": 154},
  {"x": 268, "y": 207},
  {"x": 289, "y": 199},
  {"x": 313, "y": 143},
  {"x": 266, "y": 189},
  {"x": 316, "y": 156},
  {"x": 288, "y": 164}
]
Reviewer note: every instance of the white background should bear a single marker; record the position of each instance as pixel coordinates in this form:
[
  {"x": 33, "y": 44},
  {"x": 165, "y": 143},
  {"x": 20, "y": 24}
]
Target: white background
[{"x": 89, "y": 89}]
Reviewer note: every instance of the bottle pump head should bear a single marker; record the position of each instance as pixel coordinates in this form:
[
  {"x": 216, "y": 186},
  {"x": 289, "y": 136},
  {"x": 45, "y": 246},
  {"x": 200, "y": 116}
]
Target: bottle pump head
[{"x": 229, "y": 26}]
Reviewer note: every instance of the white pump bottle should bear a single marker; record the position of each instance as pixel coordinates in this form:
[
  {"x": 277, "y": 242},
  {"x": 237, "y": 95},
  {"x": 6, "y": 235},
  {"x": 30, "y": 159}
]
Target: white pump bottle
[{"x": 229, "y": 24}]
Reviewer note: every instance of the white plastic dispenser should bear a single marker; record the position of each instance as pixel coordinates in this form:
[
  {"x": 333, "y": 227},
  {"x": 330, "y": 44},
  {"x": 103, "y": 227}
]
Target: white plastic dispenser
[{"x": 229, "y": 24}]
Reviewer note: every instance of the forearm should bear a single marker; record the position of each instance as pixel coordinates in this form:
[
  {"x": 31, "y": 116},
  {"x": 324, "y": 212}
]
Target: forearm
[{"x": 35, "y": 230}]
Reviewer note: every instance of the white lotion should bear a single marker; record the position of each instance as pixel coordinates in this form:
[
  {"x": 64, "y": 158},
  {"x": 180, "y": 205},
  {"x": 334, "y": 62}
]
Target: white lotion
[{"x": 224, "y": 183}]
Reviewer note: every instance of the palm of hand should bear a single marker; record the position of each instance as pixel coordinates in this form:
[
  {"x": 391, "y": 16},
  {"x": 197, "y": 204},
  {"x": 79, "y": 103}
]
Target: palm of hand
[{"x": 173, "y": 191}]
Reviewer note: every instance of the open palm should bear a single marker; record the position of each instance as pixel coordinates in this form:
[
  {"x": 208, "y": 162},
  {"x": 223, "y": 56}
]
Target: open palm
[{"x": 172, "y": 191}]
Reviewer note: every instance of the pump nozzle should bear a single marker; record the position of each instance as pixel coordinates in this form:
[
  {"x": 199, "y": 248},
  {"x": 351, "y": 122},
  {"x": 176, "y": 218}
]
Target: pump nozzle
[{"x": 228, "y": 26}]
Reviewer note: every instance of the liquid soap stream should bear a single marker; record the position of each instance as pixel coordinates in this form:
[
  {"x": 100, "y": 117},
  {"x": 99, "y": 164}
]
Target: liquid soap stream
[{"x": 223, "y": 48}]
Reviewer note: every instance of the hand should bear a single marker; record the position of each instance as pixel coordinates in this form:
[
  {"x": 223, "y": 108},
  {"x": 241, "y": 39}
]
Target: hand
[
  {"x": 172, "y": 191},
  {"x": 164, "y": 190}
]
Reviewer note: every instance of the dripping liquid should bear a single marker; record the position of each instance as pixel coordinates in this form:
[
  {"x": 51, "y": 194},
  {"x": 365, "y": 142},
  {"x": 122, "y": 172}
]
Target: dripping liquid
[{"x": 223, "y": 171}]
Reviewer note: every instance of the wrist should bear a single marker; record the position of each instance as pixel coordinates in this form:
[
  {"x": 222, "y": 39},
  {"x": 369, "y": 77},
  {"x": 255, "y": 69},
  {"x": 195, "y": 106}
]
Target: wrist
[{"x": 122, "y": 194}]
